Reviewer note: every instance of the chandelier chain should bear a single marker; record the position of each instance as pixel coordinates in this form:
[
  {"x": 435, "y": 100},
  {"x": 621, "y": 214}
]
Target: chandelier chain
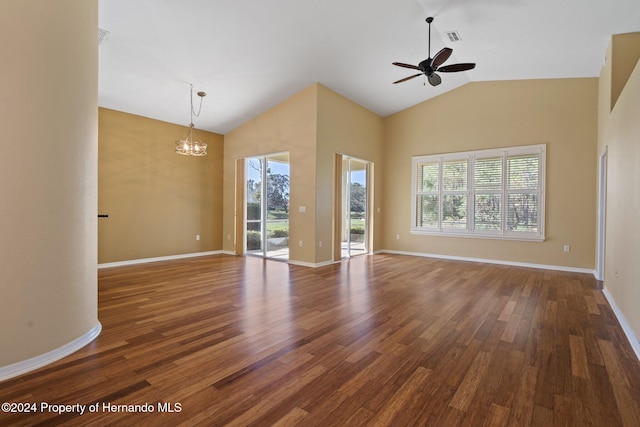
[{"x": 193, "y": 111}]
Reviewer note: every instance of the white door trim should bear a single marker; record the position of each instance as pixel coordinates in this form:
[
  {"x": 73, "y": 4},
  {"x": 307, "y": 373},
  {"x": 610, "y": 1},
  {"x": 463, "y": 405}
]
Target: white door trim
[{"x": 602, "y": 214}]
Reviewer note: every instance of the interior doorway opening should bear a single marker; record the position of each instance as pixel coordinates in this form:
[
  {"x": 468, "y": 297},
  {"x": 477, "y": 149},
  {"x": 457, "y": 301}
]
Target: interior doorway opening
[{"x": 267, "y": 206}]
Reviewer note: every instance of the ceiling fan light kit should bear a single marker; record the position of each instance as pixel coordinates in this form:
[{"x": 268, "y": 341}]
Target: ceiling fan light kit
[{"x": 429, "y": 66}]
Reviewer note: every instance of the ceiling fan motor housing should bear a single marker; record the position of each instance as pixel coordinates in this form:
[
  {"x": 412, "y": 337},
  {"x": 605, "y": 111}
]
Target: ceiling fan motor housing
[{"x": 425, "y": 66}]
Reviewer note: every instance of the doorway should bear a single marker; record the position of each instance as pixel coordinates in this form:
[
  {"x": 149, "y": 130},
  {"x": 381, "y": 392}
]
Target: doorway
[
  {"x": 355, "y": 207},
  {"x": 267, "y": 206}
]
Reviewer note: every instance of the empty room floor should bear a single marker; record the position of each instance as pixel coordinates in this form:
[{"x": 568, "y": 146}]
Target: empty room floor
[{"x": 373, "y": 340}]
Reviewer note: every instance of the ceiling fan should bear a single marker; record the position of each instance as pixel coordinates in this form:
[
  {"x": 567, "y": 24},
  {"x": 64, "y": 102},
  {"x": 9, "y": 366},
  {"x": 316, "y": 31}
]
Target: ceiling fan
[{"x": 429, "y": 66}]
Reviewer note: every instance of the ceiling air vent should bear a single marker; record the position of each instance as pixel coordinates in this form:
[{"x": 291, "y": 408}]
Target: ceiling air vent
[
  {"x": 454, "y": 36},
  {"x": 101, "y": 35}
]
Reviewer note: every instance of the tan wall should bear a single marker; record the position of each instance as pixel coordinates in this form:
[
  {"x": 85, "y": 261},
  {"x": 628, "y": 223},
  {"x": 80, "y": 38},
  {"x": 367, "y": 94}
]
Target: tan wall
[
  {"x": 48, "y": 175},
  {"x": 560, "y": 113},
  {"x": 347, "y": 128},
  {"x": 158, "y": 201},
  {"x": 290, "y": 126},
  {"x": 604, "y": 99},
  {"x": 624, "y": 52},
  {"x": 620, "y": 134},
  {"x": 312, "y": 126}
]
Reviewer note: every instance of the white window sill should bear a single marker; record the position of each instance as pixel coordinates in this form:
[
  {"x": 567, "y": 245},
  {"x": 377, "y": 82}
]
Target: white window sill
[{"x": 464, "y": 233}]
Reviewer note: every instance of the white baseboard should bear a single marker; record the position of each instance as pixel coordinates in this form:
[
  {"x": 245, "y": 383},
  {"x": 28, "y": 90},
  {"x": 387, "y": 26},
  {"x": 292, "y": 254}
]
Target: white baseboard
[
  {"x": 628, "y": 331},
  {"x": 312, "y": 265},
  {"x": 492, "y": 261},
  {"x": 156, "y": 259},
  {"x": 19, "y": 368},
  {"x": 388, "y": 251},
  {"x": 174, "y": 257}
]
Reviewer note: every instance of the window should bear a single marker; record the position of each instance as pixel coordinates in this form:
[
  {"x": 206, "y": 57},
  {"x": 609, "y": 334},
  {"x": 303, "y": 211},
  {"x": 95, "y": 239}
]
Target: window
[{"x": 489, "y": 193}]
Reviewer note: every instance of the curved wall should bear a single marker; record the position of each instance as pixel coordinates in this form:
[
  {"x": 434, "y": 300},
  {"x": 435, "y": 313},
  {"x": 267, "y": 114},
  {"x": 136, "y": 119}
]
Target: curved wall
[{"x": 48, "y": 180}]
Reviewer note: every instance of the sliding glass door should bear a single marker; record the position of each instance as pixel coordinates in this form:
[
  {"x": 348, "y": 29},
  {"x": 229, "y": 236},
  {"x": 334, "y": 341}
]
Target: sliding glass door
[
  {"x": 355, "y": 211},
  {"x": 267, "y": 206}
]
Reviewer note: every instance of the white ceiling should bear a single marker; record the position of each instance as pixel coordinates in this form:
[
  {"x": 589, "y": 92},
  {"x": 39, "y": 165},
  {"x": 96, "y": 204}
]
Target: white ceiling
[{"x": 250, "y": 55}]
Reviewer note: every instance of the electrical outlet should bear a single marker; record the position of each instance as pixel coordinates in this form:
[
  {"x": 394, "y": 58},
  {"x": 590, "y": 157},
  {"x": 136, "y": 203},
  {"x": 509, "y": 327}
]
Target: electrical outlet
[
  {"x": 228, "y": 236},
  {"x": 320, "y": 243},
  {"x": 300, "y": 243},
  {"x": 197, "y": 237},
  {"x": 567, "y": 248},
  {"x": 397, "y": 237}
]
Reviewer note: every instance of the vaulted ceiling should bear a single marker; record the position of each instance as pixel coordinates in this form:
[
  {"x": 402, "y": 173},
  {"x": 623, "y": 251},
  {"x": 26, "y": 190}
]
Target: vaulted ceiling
[{"x": 250, "y": 55}]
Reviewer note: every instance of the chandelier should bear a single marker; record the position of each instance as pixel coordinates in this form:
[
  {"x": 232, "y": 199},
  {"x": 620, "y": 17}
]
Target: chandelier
[{"x": 192, "y": 145}]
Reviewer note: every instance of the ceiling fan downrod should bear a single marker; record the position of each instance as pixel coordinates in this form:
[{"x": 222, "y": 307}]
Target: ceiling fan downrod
[{"x": 429, "y": 21}]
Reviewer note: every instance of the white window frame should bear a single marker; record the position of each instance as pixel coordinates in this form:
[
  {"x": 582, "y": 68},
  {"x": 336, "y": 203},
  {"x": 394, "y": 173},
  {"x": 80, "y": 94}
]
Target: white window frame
[{"x": 471, "y": 156}]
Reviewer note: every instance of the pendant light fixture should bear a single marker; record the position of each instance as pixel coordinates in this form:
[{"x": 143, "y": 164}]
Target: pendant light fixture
[{"x": 192, "y": 145}]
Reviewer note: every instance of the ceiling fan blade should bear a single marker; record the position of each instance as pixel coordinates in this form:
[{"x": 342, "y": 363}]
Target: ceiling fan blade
[
  {"x": 434, "y": 79},
  {"x": 400, "y": 64},
  {"x": 456, "y": 67},
  {"x": 441, "y": 57},
  {"x": 407, "y": 78}
]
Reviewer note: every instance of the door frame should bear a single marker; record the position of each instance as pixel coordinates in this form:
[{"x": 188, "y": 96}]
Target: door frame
[
  {"x": 602, "y": 213},
  {"x": 338, "y": 204},
  {"x": 242, "y": 224}
]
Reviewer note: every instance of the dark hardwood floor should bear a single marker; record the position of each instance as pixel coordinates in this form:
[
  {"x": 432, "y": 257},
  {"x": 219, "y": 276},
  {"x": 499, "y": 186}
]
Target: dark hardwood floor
[{"x": 376, "y": 340}]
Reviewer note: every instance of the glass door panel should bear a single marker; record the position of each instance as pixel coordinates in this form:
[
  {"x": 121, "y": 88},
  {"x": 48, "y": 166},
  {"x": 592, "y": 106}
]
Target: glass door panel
[
  {"x": 253, "y": 231},
  {"x": 277, "y": 207},
  {"x": 355, "y": 207},
  {"x": 267, "y": 206},
  {"x": 346, "y": 216}
]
